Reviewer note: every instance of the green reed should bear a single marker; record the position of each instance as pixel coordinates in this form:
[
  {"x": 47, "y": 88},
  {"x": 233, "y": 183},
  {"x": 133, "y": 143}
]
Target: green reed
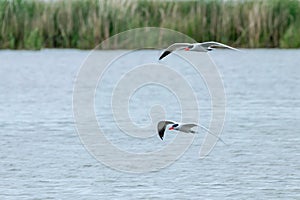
[{"x": 35, "y": 24}]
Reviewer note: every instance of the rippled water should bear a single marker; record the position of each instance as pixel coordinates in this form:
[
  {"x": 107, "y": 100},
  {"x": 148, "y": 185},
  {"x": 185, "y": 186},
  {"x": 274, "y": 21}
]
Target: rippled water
[{"x": 42, "y": 156}]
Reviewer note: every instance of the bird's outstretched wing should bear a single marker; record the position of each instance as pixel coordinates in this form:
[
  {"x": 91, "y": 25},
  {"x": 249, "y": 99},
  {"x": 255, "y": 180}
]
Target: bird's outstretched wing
[
  {"x": 187, "y": 128},
  {"x": 161, "y": 127},
  {"x": 212, "y": 45},
  {"x": 173, "y": 47}
]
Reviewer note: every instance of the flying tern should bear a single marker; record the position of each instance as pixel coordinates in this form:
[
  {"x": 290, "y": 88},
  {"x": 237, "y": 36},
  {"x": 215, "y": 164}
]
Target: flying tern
[
  {"x": 199, "y": 47},
  {"x": 186, "y": 128}
]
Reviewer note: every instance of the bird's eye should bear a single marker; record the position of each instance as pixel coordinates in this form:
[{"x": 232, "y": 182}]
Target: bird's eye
[
  {"x": 175, "y": 125},
  {"x": 191, "y": 46}
]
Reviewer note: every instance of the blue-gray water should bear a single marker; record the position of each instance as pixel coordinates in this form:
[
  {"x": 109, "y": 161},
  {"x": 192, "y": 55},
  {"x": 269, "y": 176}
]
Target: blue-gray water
[{"x": 42, "y": 157}]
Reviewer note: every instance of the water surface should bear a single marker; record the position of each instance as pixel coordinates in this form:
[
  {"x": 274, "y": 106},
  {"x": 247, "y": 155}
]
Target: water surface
[{"x": 42, "y": 156}]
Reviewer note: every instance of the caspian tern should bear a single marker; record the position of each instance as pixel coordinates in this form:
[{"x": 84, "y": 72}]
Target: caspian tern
[
  {"x": 200, "y": 47},
  {"x": 186, "y": 128}
]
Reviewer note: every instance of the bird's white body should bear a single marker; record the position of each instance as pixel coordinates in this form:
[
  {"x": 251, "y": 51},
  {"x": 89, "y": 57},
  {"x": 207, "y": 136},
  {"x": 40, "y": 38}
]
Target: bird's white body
[{"x": 186, "y": 128}]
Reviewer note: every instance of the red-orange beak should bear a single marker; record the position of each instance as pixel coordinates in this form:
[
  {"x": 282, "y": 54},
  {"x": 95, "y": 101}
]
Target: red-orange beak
[
  {"x": 171, "y": 128},
  {"x": 187, "y": 49}
]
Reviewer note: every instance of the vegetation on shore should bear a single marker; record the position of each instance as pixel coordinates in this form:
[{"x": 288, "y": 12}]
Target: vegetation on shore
[{"x": 35, "y": 24}]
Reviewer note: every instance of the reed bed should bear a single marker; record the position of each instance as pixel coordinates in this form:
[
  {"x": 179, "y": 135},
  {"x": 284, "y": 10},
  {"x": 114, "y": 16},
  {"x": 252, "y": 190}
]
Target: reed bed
[{"x": 34, "y": 24}]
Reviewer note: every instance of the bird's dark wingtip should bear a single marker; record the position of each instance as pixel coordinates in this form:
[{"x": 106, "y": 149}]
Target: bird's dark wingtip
[
  {"x": 165, "y": 53},
  {"x": 161, "y": 134}
]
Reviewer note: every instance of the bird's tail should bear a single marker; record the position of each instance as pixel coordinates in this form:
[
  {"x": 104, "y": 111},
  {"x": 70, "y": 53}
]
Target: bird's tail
[{"x": 206, "y": 129}]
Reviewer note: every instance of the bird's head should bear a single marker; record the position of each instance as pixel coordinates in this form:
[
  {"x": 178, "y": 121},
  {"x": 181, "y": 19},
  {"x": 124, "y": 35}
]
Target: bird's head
[
  {"x": 189, "y": 48},
  {"x": 173, "y": 127}
]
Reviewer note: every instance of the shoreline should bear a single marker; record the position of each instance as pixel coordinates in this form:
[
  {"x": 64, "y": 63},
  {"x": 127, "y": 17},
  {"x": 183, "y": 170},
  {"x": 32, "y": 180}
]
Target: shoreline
[{"x": 80, "y": 24}]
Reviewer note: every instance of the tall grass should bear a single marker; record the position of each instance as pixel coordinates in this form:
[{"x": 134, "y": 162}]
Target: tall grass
[{"x": 35, "y": 24}]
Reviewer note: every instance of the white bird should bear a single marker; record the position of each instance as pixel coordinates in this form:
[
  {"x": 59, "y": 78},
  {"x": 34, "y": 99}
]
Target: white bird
[
  {"x": 200, "y": 47},
  {"x": 186, "y": 128}
]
